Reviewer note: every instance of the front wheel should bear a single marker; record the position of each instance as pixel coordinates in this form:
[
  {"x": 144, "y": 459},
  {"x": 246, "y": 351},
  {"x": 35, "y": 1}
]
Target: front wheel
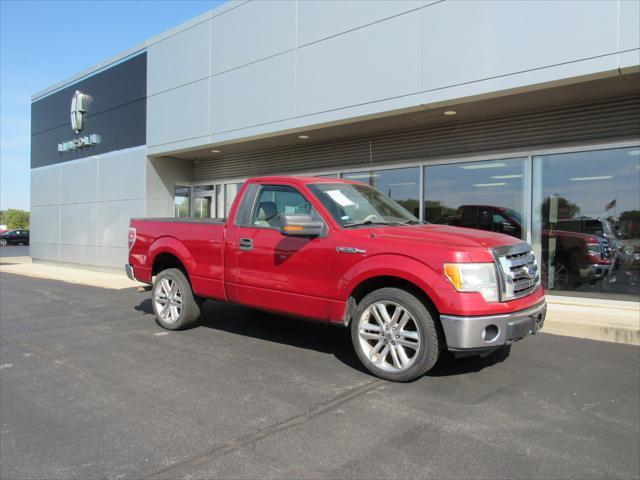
[
  {"x": 395, "y": 335},
  {"x": 173, "y": 301}
]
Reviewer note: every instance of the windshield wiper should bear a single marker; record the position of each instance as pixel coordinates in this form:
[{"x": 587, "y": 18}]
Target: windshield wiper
[
  {"x": 413, "y": 221},
  {"x": 368, "y": 222}
]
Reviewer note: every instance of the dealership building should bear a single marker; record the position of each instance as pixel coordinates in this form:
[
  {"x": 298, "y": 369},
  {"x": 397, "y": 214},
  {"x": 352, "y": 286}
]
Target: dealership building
[{"x": 519, "y": 117}]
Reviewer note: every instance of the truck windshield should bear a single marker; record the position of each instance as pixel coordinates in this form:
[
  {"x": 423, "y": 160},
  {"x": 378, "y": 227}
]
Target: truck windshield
[{"x": 354, "y": 205}]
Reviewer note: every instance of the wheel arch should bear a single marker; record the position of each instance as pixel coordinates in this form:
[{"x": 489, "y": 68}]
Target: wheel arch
[
  {"x": 167, "y": 252},
  {"x": 407, "y": 274}
]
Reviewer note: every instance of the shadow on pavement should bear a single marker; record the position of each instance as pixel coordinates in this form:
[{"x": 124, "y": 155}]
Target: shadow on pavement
[{"x": 321, "y": 337}]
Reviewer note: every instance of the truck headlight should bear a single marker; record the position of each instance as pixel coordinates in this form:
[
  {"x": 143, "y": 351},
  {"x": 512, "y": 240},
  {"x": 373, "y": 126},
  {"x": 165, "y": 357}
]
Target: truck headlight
[
  {"x": 474, "y": 277},
  {"x": 593, "y": 248}
]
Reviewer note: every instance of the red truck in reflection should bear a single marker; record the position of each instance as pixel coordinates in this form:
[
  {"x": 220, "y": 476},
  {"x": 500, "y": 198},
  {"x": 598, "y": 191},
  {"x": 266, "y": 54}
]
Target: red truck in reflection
[
  {"x": 340, "y": 251},
  {"x": 568, "y": 256}
]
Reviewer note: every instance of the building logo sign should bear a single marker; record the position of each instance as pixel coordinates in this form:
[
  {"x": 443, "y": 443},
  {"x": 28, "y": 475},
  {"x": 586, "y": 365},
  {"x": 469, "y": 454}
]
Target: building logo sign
[{"x": 79, "y": 104}]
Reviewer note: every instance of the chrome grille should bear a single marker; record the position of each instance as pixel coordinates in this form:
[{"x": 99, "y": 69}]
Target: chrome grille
[
  {"x": 605, "y": 250},
  {"x": 517, "y": 270}
]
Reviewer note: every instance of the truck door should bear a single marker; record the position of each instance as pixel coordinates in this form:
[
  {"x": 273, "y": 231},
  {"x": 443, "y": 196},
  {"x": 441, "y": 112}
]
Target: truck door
[{"x": 279, "y": 272}]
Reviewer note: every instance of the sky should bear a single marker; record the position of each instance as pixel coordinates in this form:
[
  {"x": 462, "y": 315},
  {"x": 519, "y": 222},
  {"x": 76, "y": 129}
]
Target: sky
[{"x": 44, "y": 42}]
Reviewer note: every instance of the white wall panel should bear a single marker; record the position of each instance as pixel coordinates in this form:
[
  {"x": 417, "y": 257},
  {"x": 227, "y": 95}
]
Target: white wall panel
[
  {"x": 113, "y": 221},
  {"x": 318, "y": 19},
  {"x": 44, "y": 251},
  {"x": 179, "y": 59},
  {"x": 79, "y": 223},
  {"x": 466, "y": 41},
  {"x": 45, "y": 186},
  {"x": 122, "y": 175},
  {"x": 79, "y": 181},
  {"x": 258, "y": 93},
  {"x": 112, "y": 257},
  {"x": 45, "y": 224},
  {"x": 629, "y": 31},
  {"x": 252, "y": 32},
  {"x": 178, "y": 114},
  {"x": 366, "y": 65},
  {"x": 81, "y": 254}
]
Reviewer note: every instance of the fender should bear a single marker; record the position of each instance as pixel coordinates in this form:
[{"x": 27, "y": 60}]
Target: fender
[
  {"x": 391, "y": 265},
  {"x": 175, "y": 247}
]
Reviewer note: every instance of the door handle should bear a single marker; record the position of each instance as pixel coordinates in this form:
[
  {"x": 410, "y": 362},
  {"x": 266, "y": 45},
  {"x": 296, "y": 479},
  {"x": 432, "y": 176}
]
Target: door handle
[{"x": 246, "y": 244}]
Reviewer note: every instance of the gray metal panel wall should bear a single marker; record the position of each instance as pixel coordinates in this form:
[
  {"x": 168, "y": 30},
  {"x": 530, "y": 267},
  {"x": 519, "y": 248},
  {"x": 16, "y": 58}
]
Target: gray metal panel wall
[{"x": 618, "y": 118}]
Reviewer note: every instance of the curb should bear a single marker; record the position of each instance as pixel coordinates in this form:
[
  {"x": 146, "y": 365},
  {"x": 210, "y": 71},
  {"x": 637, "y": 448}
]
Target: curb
[{"x": 602, "y": 323}]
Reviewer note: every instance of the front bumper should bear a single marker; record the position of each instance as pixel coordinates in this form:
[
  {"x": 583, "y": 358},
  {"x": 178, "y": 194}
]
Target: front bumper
[
  {"x": 593, "y": 271},
  {"x": 492, "y": 331}
]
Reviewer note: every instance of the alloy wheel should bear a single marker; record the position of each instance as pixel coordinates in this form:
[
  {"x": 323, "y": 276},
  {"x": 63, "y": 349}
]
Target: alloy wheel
[
  {"x": 168, "y": 300},
  {"x": 389, "y": 336}
]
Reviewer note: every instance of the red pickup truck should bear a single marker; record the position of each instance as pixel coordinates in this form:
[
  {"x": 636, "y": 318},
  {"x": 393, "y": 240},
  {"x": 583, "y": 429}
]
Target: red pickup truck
[{"x": 340, "y": 251}]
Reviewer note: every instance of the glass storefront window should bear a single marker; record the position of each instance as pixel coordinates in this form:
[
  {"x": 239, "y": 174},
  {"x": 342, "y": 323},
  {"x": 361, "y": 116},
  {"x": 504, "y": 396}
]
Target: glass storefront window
[
  {"x": 181, "y": 202},
  {"x": 586, "y": 208},
  {"x": 230, "y": 192},
  {"x": 203, "y": 201},
  {"x": 400, "y": 184},
  {"x": 487, "y": 195}
]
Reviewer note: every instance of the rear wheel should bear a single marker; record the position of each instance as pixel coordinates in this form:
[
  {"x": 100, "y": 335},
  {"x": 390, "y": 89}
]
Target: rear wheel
[
  {"x": 173, "y": 301},
  {"x": 394, "y": 335},
  {"x": 3, "y": 242}
]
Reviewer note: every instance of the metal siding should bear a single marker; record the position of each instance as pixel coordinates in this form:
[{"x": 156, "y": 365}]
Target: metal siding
[{"x": 617, "y": 118}]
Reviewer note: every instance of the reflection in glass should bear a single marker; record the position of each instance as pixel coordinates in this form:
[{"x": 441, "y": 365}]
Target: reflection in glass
[
  {"x": 181, "y": 202},
  {"x": 203, "y": 201},
  {"x": 484, "y": 195},
  {"x": 400, "y": 184},
  {"x": 230, "y": 192},
  {"x": 587, "y": 222}
]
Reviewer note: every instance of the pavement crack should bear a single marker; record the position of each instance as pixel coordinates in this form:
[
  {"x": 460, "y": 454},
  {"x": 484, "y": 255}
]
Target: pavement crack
[{"x": 183, "y": 467}]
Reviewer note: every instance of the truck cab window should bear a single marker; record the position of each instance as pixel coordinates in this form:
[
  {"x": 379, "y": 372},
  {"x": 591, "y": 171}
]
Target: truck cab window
[{"x": 274, "y": 201}]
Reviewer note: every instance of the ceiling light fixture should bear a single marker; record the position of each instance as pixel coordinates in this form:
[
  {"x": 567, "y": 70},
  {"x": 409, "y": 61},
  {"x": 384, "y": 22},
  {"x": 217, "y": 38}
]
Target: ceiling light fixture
[
  {"x": 586, "y": 179},
  {"x": 481, "y": 165},
  {"x": 502, "y": 177},
  {"x": 303, "y": 137},
  {"x": 215, "y": 151},
  {"x": 450, "y": 113},
  {"x": 497, "y": 184}
]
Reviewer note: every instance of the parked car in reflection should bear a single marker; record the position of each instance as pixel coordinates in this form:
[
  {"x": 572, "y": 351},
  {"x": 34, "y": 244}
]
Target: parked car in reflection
[
  {"x": 572, "y": 257},
  {"x": 486, "y": 217},
  {"x": 14, "y": 237}
]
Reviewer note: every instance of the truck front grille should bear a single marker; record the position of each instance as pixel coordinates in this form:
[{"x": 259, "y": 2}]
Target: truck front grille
[
  {"x": 517, "y": 270},
  {"x": 605, "y": 250}
]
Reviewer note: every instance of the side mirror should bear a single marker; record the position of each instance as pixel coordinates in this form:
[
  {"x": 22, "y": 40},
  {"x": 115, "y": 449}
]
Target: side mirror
[{"x": 300, "y": 225}]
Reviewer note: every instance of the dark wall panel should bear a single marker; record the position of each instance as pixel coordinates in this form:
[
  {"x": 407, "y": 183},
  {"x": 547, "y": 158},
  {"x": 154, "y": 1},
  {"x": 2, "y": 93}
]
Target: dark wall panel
[{"x": 117, "y": 114}]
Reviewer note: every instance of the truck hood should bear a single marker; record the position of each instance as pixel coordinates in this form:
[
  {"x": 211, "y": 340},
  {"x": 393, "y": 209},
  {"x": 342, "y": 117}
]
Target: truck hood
[{"x": 446, "y": 236}]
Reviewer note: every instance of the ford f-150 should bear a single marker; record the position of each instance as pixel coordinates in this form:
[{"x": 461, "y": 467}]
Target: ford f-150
[{"x": 340, "y": 251}]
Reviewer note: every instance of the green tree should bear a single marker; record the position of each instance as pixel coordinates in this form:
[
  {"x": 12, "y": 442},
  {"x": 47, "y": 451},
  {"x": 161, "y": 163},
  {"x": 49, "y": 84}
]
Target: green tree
[
  {"x": 16, "y": 219},
  {"x": 2, "y": 217},
  {"x": 565, "y": 209}
]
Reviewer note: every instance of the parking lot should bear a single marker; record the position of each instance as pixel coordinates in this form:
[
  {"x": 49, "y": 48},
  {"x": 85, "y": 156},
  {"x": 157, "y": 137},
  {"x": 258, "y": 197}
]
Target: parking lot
[
  {"x": 91, "y": 387},
  {"x": 14, "y": 251}
]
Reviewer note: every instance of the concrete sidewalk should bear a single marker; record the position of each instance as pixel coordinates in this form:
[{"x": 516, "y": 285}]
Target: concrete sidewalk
[
  {"x": 69, "y": 274},
  {"x": 610, "y": 321},
  {"x": 604, "y": 320}
]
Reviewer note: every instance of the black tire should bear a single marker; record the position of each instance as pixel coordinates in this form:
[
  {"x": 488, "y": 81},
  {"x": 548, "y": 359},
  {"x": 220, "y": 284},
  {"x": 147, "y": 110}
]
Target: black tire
[
  {"x": 189, "y": 312},
  {"x": 3, "y": 243},
  {"x": 431, "y": 344}
]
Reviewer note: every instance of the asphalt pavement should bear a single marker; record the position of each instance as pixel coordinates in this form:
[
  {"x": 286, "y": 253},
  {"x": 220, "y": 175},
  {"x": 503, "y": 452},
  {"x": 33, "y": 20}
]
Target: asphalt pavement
[
  {"x": 14, "y": 251},
  {"x": 91, "y": 387}
]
